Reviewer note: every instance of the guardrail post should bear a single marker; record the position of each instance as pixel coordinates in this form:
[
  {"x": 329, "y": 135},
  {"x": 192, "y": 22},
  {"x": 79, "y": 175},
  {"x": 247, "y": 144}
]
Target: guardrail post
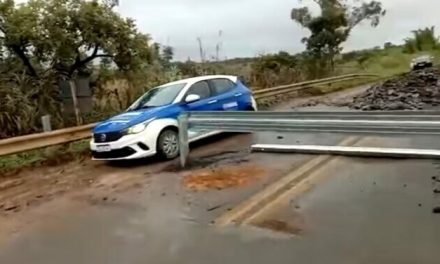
[
  {"x": 183, "y": 138},
  {"x": 45, "y": 121}
]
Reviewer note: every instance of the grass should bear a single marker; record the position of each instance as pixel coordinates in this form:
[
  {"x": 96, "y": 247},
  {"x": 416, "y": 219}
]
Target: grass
[
  {"x": 46, "y": 156},
  {"x": 325, "y": 89},
  {"x": 386, "y": 62},
  {"x": 266, "y": 103}
]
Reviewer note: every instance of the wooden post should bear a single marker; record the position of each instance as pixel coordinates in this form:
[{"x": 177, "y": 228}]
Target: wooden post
[{"x": 75, "y": 102}]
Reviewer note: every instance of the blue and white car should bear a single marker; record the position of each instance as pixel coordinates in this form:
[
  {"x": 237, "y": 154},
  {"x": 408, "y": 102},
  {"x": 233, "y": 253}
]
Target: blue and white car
[{"x": 149, "y": 126}]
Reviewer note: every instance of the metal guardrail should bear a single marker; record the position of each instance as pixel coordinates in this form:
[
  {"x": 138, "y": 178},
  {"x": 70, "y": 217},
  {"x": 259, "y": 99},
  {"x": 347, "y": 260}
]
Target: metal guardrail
[
  {"x": 46, "y": 139},
  {"x": 40, "y": 140},
  {"x": 397, "y": 122},
  {"x": 263, "y": 93},
  {"x": 350, "y": 151}
]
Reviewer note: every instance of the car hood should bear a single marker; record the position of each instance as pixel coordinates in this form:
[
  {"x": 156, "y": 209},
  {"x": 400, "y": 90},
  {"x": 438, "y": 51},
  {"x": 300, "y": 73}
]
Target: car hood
[{"x": 128, "y": 119}]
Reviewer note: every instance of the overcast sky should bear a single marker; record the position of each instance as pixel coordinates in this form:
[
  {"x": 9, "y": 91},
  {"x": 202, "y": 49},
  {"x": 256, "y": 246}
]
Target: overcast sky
[{"x": 252, "y": 27}]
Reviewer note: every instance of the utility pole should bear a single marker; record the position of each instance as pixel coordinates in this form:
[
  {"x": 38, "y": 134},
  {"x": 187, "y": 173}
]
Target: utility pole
[
  {"x": 219, "y": 46},
  {"x": 202, "y": 53}
]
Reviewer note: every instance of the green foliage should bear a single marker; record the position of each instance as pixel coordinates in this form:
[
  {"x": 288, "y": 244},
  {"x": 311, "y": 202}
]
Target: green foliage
[
  {"x": 422, "y": 40},
  {"x": 23, "y": 102},
  {"x": 388, "y": 45},
  {"x": 45, "y": 41},
  {"x": 189, "y": 68},
  {"x": 66, "y": 35},
  {"x": 116, "y": 89},
  {"x": 333, "y": 26},
  {"x": 47, "y": 156},
  {"x": 386, "y": 62},
  {"x": 313, "y": 67},
  {"x": 274, "y": 69},
  {"x": 361, "y": 56},
  {"x": 167, "y": 55}
]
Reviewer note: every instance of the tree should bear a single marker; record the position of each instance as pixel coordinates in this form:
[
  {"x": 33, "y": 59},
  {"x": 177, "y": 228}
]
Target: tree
[
  {"x": 388, "y": 45},
  {"x": 274, "y": 69},
  {"x": 422, "y": 40},
  {"x": 333, "y": 26},
  {"x": 65, "y": 36},
  {"x": 189, "y": 68},
  {"x": 166, "y": 56},
  {"x": 43, "y": 42}
]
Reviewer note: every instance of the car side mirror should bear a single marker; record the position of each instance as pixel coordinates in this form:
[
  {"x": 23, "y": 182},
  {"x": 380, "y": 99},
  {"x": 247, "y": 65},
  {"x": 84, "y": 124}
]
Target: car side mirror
[{"x": 192, "y": 98}]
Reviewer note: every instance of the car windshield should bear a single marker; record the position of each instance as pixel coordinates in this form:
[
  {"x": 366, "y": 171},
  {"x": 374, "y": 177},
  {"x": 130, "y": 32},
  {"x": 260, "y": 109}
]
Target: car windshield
[{"x": 160, "y": 96}]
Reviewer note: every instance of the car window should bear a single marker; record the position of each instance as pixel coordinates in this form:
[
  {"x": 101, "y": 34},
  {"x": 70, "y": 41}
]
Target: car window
[
  {"x": 159, "y": 96},
  {"x": 201, "y": 89},
  {"x": 222, "y": 85}
]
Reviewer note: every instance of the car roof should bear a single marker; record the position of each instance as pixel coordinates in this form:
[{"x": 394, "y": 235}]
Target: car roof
[
  {"x": 423, "y": 57},
  {"x": 193, "y": 80}
]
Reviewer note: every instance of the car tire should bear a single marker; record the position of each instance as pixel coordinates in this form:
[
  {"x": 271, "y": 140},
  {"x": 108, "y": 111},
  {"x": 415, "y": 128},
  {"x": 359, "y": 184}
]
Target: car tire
[{"x": 168, "y": 144}]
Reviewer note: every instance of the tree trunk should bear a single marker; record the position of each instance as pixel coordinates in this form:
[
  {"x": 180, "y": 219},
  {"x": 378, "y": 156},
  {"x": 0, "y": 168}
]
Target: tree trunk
[{"x": 21, "y": 54}]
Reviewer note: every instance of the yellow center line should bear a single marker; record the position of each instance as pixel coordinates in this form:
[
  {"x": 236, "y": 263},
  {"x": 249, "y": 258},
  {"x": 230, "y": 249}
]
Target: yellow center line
[{"x": 262, "y": 201}]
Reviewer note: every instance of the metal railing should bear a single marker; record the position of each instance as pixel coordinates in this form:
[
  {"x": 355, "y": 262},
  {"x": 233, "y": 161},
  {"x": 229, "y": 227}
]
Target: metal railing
[
  {"x": 348, "y": 122},
  {"x": 41, "y": 140},
  {"x": 46, "y": 139},
  {"x": 269, "y": 92}
]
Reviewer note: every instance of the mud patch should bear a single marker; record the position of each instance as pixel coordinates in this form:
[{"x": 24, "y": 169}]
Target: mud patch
[
  {"x": 222, "y": 178},
  {"x": 211, "y": 161},
  {"x": 279, "y": 226},
  {"x": 10, "y": 183}
]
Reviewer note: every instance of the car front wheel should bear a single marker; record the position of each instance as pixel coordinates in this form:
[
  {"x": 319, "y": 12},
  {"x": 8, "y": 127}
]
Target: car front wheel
[{"x": 168, "y": 144}]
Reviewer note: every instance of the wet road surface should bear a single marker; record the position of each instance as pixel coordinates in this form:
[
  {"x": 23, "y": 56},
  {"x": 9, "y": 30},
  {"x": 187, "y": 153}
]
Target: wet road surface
[
  {"x": 366, "y": 211},
  {"x": 362, "y": 211}
]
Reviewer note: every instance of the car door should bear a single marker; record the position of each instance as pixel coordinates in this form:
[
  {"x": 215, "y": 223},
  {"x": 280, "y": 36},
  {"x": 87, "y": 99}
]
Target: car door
[
  {"x": 224, "y": 94},
  {"x": 206, "y": 103}
]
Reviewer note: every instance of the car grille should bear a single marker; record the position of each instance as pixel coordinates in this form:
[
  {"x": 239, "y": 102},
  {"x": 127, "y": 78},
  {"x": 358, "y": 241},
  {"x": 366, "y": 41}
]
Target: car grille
[
  {"x": 107, "y": 137},
  {"x": 114, "y": 154}
]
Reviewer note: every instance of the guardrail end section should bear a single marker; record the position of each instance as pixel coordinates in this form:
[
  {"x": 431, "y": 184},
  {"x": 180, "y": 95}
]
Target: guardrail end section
[{"x": 183, "y": 138}]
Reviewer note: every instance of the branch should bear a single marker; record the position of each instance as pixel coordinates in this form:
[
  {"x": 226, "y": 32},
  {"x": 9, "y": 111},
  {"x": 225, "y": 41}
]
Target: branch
[
  {"x": 104, "y": 56},
  {"x": 78, "y": 56},
  {"x": 80, "y": 63},
  {"x": 21, "y": 54}
]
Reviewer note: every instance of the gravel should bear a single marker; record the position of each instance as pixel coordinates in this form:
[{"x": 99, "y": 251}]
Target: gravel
[{"x": 415, "y": 90}]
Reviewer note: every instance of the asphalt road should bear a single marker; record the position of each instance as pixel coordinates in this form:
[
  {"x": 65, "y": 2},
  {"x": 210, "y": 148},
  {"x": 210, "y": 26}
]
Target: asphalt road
[
  {"x": 359, "y": 211},
  {"x": 364, "y": 211}
]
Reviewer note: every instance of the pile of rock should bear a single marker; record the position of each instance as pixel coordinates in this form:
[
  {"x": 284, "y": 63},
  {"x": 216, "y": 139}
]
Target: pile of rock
[{"x": 410, "y": 91}]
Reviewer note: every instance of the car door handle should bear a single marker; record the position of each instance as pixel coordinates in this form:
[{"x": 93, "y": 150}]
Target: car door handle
[
  {"x": 238, "y": 94},
  {"x": 212, "y": 102}
]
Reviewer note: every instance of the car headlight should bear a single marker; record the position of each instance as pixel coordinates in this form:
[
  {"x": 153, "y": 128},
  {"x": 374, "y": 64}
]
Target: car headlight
[{"x": 136, "y": 129}]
